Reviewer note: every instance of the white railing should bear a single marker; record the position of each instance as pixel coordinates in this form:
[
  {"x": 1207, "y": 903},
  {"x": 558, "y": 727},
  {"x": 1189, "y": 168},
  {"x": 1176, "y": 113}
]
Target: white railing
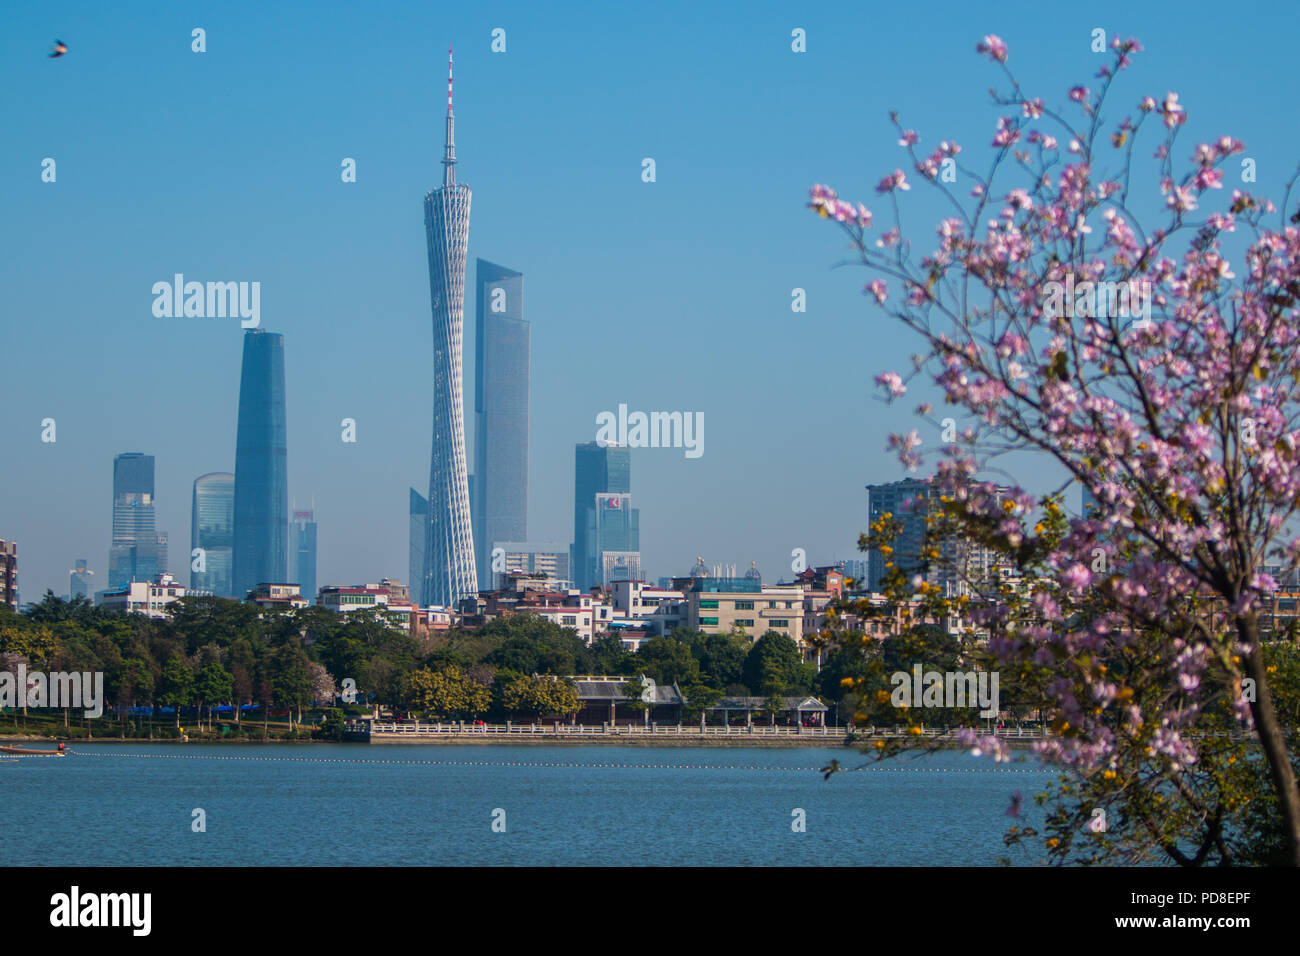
[{"x": 434, "y": 729}]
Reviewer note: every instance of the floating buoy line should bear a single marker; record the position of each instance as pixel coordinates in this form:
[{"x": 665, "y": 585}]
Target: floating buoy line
[{"x": 548, "y": 763}]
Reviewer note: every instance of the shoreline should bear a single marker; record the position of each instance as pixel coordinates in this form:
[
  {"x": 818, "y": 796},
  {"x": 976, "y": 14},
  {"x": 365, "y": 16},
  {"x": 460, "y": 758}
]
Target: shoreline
[{"x": 544, "y": 740}]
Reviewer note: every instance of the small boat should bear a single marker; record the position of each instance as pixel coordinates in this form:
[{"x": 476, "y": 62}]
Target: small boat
[{"x": 23, "y": 752}]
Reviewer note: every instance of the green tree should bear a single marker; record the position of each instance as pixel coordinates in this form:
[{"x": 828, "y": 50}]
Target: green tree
[
  {"x": 634, "y": 690},
  {"x": 290, "y": 679},
  {"x": 668, "y": 661},
  {"x": 212, "y": 685},
  {"x": 721, "y": 656},
  {"x": 609, "y": 656},
  {"x": 773, "y": 665},
  {"x": 447, "y": 693},
  {"x": 176, "y": 685},
  {"x": 535, "y": 696},
  {"x": 30, "y": 640}
]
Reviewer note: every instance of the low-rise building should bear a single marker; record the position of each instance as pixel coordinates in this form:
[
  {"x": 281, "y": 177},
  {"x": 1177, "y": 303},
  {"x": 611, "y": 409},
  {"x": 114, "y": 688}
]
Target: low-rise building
[
  {"x": 604, "y": 699},
  {"x": 143, "y": 597},
  {"x": 357, "y": 598},
  {"x": 283, "y": 596},
  {"x": 806, "y": 711},
  {"x": 718, "y": 605},
  {"x": 657, "y": 608}
]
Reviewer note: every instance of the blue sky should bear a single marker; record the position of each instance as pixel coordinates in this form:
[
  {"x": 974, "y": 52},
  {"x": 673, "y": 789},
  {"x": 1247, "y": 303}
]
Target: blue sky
[{"x": 673, "y": 295}]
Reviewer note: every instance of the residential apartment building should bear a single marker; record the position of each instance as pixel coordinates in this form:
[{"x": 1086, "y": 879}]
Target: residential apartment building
[
  {"x": 9, "y": 573},
  {"x": 282, "y": 596}
]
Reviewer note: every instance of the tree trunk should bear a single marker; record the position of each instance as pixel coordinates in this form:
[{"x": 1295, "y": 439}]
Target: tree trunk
[{"x": 1272, "y": 740}]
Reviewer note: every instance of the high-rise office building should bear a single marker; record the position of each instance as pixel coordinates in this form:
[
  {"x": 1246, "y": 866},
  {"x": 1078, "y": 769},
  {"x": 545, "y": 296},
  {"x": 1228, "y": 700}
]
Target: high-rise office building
[
  {"x": 961, "y": 561},
  {"x": 597, "y": 469},
  {"x": 502, "y": 345},
  {"x": 614, "y": 534},
  {"x": 212, "y": 530},
  {"x": 79, "y": 580},
  {"x": 449, "y": 569},
  {"x": 9, "y": 573},
  {"x": 133, "y": 555},
  {"x": 529, "y": 557},
  {"x": 261, "y": 471},
  {"x": 419, "y": 529},
  {"x": 304, "y": 538}
]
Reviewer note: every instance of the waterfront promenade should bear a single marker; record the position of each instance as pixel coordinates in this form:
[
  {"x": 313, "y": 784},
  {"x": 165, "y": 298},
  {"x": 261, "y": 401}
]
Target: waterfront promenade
[{"x": 653, "y": 735}]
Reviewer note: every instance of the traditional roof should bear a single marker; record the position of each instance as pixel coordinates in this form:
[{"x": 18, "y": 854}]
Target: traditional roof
[{"x": 759, "y": 703}]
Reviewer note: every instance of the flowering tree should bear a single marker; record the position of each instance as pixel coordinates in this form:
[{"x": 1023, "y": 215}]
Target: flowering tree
[{"x": 1164, "y": 378}]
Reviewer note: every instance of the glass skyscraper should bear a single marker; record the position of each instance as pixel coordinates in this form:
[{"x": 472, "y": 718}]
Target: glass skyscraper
[
  {"x": 304, "y": 537},
  {"x": 449, "y": 570},
  {"x": 133, "y": 555},
  {"x": 79, "y": 580},
  {"x": 261, "y": 479},
  {"x": 502, "y": 345},
  {"x": 614, "y": 534},
  {"x": 597, "y": 470},
  {"x": 212, "y": 528},
  {"x": 419, "y": 528}
]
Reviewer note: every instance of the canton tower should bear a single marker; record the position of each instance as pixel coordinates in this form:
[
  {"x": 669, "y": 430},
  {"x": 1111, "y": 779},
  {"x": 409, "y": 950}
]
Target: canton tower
[{"x": 449, "y": 573}]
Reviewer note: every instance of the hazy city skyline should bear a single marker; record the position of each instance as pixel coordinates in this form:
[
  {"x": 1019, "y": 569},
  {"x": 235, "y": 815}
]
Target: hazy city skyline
[{"x": 639, "y": 293}]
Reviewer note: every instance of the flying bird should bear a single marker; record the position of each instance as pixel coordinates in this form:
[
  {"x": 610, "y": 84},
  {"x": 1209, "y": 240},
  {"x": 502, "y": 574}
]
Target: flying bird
[
  {"x": 830, "y": 768},
  {"x": 60, "y": 48}
]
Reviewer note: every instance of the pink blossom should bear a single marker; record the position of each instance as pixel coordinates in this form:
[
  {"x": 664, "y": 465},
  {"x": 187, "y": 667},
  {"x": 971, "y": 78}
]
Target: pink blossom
[
  {"x": 1076, "y": 578},
  {"x": 897, "y": 181},
  {"x": 893, "y": 383},
  {"x": 994, "y": 47},
  {"x": 1172, "y": 112}
]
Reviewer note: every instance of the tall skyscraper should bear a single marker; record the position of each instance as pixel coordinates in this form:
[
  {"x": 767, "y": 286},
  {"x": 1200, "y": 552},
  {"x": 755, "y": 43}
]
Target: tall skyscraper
[
  {"x": 503, "y": 342},
  {"x": 614, "y": 536},
  {"x": 261, "y": 472},
  {"x": 212, "y": 528},
  {"x": 419, "y": 529},
  {"x": 449, "y": 571},
  {"x": 304, "y": 538},
  {"x": 133, "y": 555},
  {"x": 598, "y": 469},
  {"x": 79, "y": 580}
]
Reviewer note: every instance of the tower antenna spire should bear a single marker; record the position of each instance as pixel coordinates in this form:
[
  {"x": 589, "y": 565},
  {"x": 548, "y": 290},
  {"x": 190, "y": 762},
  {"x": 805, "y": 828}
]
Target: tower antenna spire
[{"x": 449, "y": 151}]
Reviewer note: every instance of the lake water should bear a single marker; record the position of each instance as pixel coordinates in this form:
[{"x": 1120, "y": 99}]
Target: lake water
[{"x": 338, "y": 805}]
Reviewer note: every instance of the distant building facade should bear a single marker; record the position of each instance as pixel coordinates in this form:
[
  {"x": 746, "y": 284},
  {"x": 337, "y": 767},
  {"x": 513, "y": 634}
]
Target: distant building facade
[
  {"x": 614, "y": 536},
  {"x": 79, "y": 580},
  {"x": 961, "y": 561},
  {"x": 261, "y": 528},
  {"x": 304, "y": 558},
  {"x": 282, "y": 596},
  {"x": 419, "y": 507},
  {"x": 9, "y": 573},
  {"x": 212, "y": 531},
  {"x": 133, "y": 554},
  {"x": 599, "y": 469},
  {"x": 503, "y": 344},
  {"x": 149, "y": 598},
  {"x": 538, "y": 558}
]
